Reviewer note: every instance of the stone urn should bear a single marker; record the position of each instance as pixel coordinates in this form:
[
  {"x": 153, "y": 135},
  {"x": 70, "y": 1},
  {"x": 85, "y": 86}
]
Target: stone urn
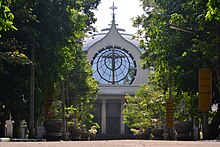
[
  {"x": 184, "y": 130},
  {"x": 53, "y": 129},
  {"x": 157, "y": 133},
  {"x": 141, "y": 135},
  {"x": 75, "y": 133},
  {"x": 92, "y": 136},
  {"x": 85, "y": 136}
]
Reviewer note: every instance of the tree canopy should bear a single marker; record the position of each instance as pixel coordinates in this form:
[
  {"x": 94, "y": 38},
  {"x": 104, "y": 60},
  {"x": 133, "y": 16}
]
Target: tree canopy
[
  {"x": 8, "y": 52},
  {"x": 176, "y": 55},
  {"x": 54, "y": 30},
  {"x": 146, "y": 105}
]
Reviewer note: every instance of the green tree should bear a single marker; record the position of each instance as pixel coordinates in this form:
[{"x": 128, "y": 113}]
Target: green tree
[
  {"x": 13, "y": 66},
  {"x": 177, "y": 55},
  {"x": 147, "y": 104},
  {"x": 62, "y": 28},
  {"x": 82, "y": 92},
  {"x": 55, "y": 30}
]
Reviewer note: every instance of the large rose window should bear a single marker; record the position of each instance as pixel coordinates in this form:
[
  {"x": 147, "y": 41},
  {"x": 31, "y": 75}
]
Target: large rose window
[{"x": 114, "y": 65}]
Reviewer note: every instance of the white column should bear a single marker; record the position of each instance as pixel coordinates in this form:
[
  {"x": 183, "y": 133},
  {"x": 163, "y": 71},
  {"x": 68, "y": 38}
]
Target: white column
[
  {"x": 103, "y": 127},
  {"x": 122, "y": 128}
]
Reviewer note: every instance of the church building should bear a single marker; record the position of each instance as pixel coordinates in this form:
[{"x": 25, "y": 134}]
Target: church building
[{"x": 114, "y": 57}]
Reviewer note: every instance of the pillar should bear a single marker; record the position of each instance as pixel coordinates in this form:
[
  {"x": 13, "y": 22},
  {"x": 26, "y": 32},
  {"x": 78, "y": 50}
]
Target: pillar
[
  {"x": 103, "y": 127},
  {"x": 122, "y": 126}
]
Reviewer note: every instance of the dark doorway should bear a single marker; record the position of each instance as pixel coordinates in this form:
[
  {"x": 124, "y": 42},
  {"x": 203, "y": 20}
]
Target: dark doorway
[{"x": 113, "y": 112}]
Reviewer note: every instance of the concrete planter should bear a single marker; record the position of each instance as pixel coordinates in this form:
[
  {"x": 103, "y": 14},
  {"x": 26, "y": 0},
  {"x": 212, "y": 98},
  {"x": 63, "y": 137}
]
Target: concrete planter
[
  {"x": 75, "y": 133},
  {"x": 53, "y": 129},
  {"x": 157, "y": 133},
  {"x": 184, "y": 130},
  {"x": 143, "y": 135}
]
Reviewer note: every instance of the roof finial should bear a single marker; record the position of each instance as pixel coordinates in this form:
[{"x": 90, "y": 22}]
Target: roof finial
[{"x": 113, "y": 9}]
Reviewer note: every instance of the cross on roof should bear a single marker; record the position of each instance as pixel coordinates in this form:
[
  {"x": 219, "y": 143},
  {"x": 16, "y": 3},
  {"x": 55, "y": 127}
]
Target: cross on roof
[{"x": 113, "y": 8}]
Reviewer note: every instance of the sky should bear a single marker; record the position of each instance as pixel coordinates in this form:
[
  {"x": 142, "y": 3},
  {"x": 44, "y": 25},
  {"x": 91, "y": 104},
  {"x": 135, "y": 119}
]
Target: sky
[{"x": 126, "y": 9}]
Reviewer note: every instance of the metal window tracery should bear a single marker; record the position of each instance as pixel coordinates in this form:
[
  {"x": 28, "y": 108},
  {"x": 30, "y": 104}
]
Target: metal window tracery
[{"x": 114, "y": 65}]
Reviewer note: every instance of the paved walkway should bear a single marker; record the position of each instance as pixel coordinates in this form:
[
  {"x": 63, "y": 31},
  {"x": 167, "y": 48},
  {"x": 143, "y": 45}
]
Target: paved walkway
[{"x": 114, "y": 143}]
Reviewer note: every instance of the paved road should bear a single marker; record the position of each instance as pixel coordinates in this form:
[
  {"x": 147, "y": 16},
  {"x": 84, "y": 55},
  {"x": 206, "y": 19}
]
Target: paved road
[{"x": 114, "y": 143}]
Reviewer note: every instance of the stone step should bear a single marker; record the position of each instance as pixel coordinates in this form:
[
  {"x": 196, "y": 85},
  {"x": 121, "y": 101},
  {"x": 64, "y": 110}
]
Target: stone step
[{"x": 5, "y": 139}]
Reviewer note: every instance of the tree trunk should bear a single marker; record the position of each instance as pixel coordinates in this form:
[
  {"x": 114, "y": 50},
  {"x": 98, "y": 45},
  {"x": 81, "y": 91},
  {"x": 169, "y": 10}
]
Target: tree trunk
[{"x": 48, "y": 99}]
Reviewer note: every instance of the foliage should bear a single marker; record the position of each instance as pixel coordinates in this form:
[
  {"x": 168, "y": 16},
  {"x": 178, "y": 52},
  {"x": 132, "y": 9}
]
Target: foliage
[
  {"x": 147, "y": 104},
  {"x": 6, "y": 17},
  {"x": 82, "y": 91},
  {"x": 177, "y": 54},
  {"x": 54, "y": 31},
  {"x": 10, "y": 51},
  {"x": 213, "y": 12},
  {"x": 64, "y": 43},
  {"x": 55, "y": 109},
  {"x": 185, "y": 106},
  {"x": 135, "y": 131},
  {"x": 70, "y": 116}
]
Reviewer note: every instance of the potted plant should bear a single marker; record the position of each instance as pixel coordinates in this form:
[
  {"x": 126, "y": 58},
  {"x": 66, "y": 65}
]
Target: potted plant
[
  {"x": 183, "y": 129},
  {"x": 73, "y": 124},
  {"x": 156, "y": 130},
  {"x": 53, "y": 125},
  {"x": 85, "y": 135},
  {"x": 75, "y": 132},
  {"x": 185, "y": 110},
  {"x": 141, "y": 134}
]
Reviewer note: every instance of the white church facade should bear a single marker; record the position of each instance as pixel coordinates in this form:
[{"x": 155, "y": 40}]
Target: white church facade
[{"x": 114, "y": 57}]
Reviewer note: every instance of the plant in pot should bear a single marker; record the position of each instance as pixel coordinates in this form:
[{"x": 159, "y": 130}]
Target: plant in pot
[
  {"x": 77, "y": 124},
  {"x": 89, "y": 128},
  {"x": 53, "y": 125},
  {"x": 73, "y": 124},
  {"x": 185, "y": 112},
  {"x": 157, "y": 130},
  {"x": 141, "y": 133}
]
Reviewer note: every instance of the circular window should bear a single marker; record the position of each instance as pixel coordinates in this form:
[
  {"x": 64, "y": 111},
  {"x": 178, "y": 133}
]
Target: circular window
[{"x": 114, "y": 65}]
